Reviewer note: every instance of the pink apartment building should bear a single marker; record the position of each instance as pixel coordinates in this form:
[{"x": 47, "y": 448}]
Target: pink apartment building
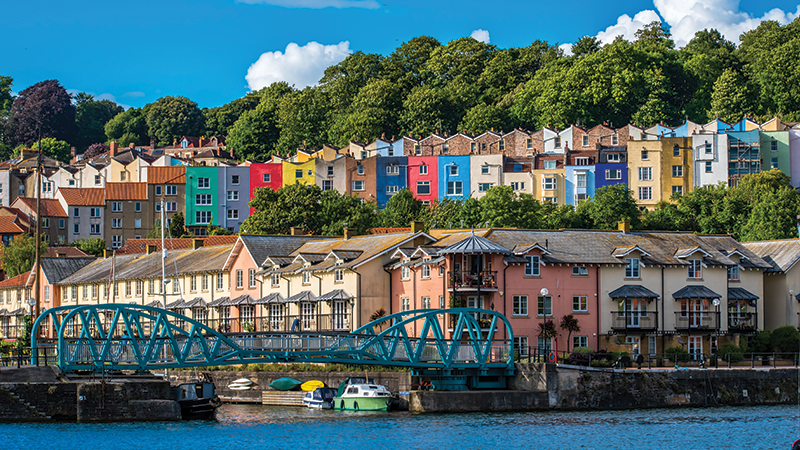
[{"x": 423, "y": 177}]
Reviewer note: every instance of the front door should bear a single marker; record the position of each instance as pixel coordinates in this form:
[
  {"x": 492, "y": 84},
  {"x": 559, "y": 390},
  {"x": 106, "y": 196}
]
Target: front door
[
  {"x": 340, "y": 315},
  {"x": 696, "y": 347}
]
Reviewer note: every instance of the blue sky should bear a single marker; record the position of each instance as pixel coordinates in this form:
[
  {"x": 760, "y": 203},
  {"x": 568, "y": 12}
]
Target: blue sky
[{"x": 207, "y": 50}]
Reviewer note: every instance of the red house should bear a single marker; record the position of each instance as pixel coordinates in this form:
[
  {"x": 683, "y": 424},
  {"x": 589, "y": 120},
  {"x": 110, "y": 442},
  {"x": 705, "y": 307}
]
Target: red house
[{"x": 268, "y": 175}]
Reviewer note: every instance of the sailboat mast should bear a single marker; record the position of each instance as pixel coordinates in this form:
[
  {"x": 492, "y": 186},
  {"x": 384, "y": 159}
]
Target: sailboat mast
[{"x": 38, "y": 237}]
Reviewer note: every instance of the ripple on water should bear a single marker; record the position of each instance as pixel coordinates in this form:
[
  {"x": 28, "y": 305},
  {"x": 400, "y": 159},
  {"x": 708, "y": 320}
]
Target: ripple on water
[{"x": 254, "y": 427}]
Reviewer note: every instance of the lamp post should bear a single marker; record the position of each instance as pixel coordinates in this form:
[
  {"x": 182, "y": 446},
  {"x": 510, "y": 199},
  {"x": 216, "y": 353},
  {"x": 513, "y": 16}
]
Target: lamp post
[{"x": 544, "y": 293}]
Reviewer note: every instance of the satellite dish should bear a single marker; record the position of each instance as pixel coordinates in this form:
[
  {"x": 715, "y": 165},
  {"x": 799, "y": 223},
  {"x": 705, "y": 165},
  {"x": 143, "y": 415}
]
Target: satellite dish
[{"x": 715, "y": 302}]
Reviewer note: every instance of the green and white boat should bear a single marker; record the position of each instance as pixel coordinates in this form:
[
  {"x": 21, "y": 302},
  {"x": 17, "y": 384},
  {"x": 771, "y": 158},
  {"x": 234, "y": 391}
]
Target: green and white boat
[{"x": 365, "y": 396}]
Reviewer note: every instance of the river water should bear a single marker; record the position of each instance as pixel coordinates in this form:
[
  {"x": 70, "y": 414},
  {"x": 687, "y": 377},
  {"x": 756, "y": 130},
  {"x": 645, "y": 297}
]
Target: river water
[{"x": 256, "y": 427}]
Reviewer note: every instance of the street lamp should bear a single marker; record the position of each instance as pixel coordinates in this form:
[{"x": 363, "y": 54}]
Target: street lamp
[{"x": 544, "y": 293}]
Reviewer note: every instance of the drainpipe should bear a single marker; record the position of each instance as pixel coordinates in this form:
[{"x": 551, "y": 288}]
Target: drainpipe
[
  {"x": 597, "y": 303},
  {"x": 358, "y": 289},
  {"x": 505, "y": 295},
  {"x": 663, "y": 313},
  {"x": 391, "y": 293}
]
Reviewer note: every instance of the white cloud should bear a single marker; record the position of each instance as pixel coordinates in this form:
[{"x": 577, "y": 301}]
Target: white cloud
[
  {"x": 566, "y": 48},
  {"x": 300, "y": 66},
  {"x": 686, "y": 17},
  {"x": 134, "y": 94},
  {"x": 100, "y": 97},
  {"x": 480, "y": 35},
  {"x": 318, "y": 4}
]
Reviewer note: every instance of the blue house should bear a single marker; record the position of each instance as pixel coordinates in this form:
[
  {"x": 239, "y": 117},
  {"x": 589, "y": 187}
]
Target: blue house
[
  {"x": 579, "y": 183},
  {"x": 612, "y": 167},
  {"x": 391, "y": 177},
  {"x": 233, "y": 194},
  {"x": 454, "y": 177}
]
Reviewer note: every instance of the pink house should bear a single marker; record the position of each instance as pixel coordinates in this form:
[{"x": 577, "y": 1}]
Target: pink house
[
  {"x": 423, "y": 177},
  {"x": 265, "y": 175}
]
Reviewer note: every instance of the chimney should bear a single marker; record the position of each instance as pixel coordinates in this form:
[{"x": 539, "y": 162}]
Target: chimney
[
  {"x": 231, "y": 152},
  {"x": 106, "y": 253},
  {"x": 297, "y": 231},
  {"x": 200, "y": 141},
  {"x": 624, "y": 226},
  {"x": 348, "y": 233},
  {"x": 196, "y": 243},
  {"x": 152, "y": 143},
  {"x": 417, "y": 226},
  {"x": 61, "y": 255},
  {"x": 151, "y": 248},
  {"x": 112, "y": 148},
  {"x": 72, "y": 151}
]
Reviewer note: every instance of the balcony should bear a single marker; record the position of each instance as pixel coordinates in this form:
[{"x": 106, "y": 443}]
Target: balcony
[
  {"x": 696, "y": 322},
  {"x": 634, "y": 321},
  {"x": 462, "y": 281},
  {"x": 739, "y": 322}
]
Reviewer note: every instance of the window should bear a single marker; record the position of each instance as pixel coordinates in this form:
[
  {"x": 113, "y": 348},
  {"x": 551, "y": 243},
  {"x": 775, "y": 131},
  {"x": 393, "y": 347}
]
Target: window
[
  {"x": 580, "y": 341},
  {"x": 330, "y": 171},
  {"x": 405, "y": 304},
  {"x": 176, "y": 288},
  {"x": 251, "y": 277},
  {"x": 151, "y": 286},
  {"x": 557, "y": 142},
  {"x": 123, "y": 176},
  {"x": 580, "y": 271},
  {"x": 502, "y": 145},
  {"x": 695, "y": 268},
  {"x": 327, "y": 185},
  {"x": 676, "y": 151},
  {"x": 645, "y": 193},
  {"x": 202, "y": 199},
  {"x": 581, "y": 197},
  {"x": 74, "y": 292},
  {"x": 585, "y": 141},
  {"x": 550, "y": 164},
  {"x": 233, "y": 214},
  {"x": 276, "y": 279},
  {"x": 631, "y": 268},
  {"x": 172, "y": 206},
  {"x": 708, "y": 148},
  {"x": 417, "y": 150},
  {"x": 773, "y": 146},
  {"x": 233, "y": 196},
  {"x": 613, "y": 174},
  {"x": 645, "y": 155},
  {"x": 298, "y": 173},
  {"x": 235, "y": 179},
  {"x": 614, "y": 139},
  {"x": 423, "y": 187},
  {"x": 97, "y": 180},
  {"x": 202, "y": 217},
  {"x": 94, "y": 228},
  {"x": 94, "y": 212},
  {"x": 172, "y": 190},
  {"x": 76, "y": 228},
  {"x": 483, "y": 187},
  {"x": 529, "y": 143},
  {"x": 426, "y": 303},
  {"x": 423, "y": 169},
  {"x": 473, "y": 146},
  {"x": 116, "y": 241},
  {"x": 518, "y": 185},
  {"x": 708, "y": 166},
  {"x": 137, "y": 223},
  {"x": 116, "y": 223},
  {"x": 549, "y": 183},
  {"x": 137, "y": 207},
  {"x": 392, "y": 170},
  {"x": 71, "y": 183},
  {"x": 158, "y": 207},
  {"x": 310, "y": 172},
  {"x": 360, "y": 169},
  {"x": 85, "y": 291},
  {"x": 116, "y": 206},
  {"x": 520, "y": 305},
  {"x": 338, "y": 275},
  {"x": 204, "y": 183},
  {"x": 677, "y": 190},
  {"x": 454, "y": 188},
  {"x": 267, "y": 178},
  {"x": 140, "y": 287},
  {"x": 612, "y": 157},
  {"x": 95, "y": 290},
  {"x": 580, "y": 180},
  {"x": 405, "y": 273},
  {"x": 484, "y": 170},
  {"x": 521, "y": 345},
  {"x": 733, "y": 273},
  {"x": 21, "y": 190},
  {"x": 220, "y": 281},
  {"x": 76, "y": 212},
  {"x": 306, "y": 277},
  {"x": 239, "y": 279},
  {"x": 392, "y": 189},
  {"x": 532, "y": 266},
  {"x": 645, "y": 173},
  {"x": 677, "y": 171},
  {"x": 773, "y": 163},
  {"x": 453, "y": 170},
  {"x": 545, "y": 306},
  {"x": 158, "y": 191},
  {"x": 358, "y": 185},
  {"x": 426, "y": 269},
  {"x": 580, "y": 303},
  {"x": 45, "y": 222},
  {"x": 193, "y": 283},
  {"x": 582, "y": 161}
]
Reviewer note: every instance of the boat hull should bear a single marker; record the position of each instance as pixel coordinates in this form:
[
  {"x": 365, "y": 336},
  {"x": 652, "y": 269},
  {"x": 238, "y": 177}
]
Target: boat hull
[
  {"x": 362, "y": 403},
  {"x": 199, "y": 409}
]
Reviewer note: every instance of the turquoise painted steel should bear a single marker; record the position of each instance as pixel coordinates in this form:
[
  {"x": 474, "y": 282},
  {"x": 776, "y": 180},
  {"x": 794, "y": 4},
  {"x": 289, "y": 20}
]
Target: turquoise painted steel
[{"x": 120, "y": 336}]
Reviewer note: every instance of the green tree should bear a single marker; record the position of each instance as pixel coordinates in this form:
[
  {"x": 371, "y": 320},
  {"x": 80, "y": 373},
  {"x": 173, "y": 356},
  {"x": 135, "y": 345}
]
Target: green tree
[
  {"x": 785, "y": 339},
  {"x": 58, "y": 150},
  {"x": 404, "y": 66},
  {"x": 294, "y": 205},
  {"x": 499, "y": 207},
  {"x": 586, "y": 46},
  {"x": 6, "y": 99},
  {"x": 373, "y": 112},
  {"x": 342, "y": 210},
  {"x": 482, "y": 117},
  {"x": 342, "y": 82},
  {"x": 91, "y": 117},
  {"x": 401, "y": 210},
  {"x": 443, "y": 214},
  {"x": 470, "y": 215},
  {"x": 570, "y": 324},
  {"x": 705, "y": 57},
  {"x": 254, "y": 136},
  {"x": 731, "y": 98},
  {"x": 610, "y": 205},
  {"x": 128, "y": 127},
  {"x": 170, "y": 118},
  {"x": 92, "y": 246},
  {"x": 303, "y": 118},
  {"x": 425, "y": 110},
  {"x": 20, "y": 254},
  {"x": 219, "y": 120},
  {"x": 177, "y": 227}
]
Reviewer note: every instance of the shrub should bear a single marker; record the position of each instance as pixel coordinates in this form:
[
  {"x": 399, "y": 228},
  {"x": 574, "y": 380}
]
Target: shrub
[
  {"x": 582, "y": 350},
  {"x": 761, "y": 342},
  {"x": 730, "y": 352},
  {"x": 785, "y": 339},
  {"x": 676, "y": 353}
]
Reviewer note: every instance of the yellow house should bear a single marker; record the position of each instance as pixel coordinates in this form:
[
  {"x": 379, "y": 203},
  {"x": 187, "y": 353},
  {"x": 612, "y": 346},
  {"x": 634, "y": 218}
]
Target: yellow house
[
  {"x": 123, "y": 171},
  {"x": 644, "y": 171},
  {"x": 302, "y": 173},
  {"x": 548, "y": 178},
  {"x": 677, "y": 155}
]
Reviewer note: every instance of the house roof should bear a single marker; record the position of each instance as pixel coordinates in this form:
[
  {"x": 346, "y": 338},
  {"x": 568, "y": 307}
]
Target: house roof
[
  {"x": 140, "y": 245},
  {"x": 275, "y": 297},
  {"x": 475, "y": 244},
  {"x": 66, "y": 252},
  {"x": 11, "y": 225},
  {"x": 337, "y": 294},
  {"x": 17, "y": 281},
  {"x": 695, "y": 292},
  {"x": 50, "y": 206},
  {"x": 83, "y": 197},
  {"x": 781, "y": 255},
  {"x": 240, "y": 300},
  {"x": 737, "y": 293},
  {"x": 57, "y": 269},
  {"x": 261, "y": 247},
  {"x": 166, "y": 174},
  {"x": 633, "y": 291},
  {"x": 126, "y": 191},
  {"x": 304, "y": 296}
]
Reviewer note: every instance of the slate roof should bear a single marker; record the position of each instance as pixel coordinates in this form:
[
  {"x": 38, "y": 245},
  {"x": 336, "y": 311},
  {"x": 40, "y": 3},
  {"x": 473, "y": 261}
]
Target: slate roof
[
  {"x": 737, "y": 293},
  {"x": 304, "y": 296},
  {"x": 262, "y": 247},
  {"x": 633, "y": 291},
  {"x": 218, "y": 302},
  {"x": 275, "y": 297},
  {"x": 781, "y": 255},
  {"x": 83, "y": 196},
  {"x": 475, "y": 244},
  {"x": 57, "y": 269},
  {"x": 695, "y": 292},
  {"x": 140, "y": 245},
  {"x": 240, "y": 300},
  {"x": 126, "y": 191},
  {"x": 196, "y": 302},
  {"x": 337, "y": 294}
]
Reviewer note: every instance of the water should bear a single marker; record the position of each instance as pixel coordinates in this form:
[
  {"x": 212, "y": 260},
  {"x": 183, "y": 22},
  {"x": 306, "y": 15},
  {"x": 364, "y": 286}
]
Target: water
[{"x": 256, "y": 427}]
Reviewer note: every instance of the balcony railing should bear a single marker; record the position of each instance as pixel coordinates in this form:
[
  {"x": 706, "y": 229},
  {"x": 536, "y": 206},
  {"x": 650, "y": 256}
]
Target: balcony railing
[
  {"x": 742, "y": 322},
  {"x": 634, "y": 320},
  {"x": 696, "y": 321},
  {"x": 486, "y": 279}
]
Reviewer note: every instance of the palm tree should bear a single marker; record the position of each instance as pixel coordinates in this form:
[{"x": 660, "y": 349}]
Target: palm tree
[
  {"x": 547, "y": 330},
  {"x": 570, "y": 323}
]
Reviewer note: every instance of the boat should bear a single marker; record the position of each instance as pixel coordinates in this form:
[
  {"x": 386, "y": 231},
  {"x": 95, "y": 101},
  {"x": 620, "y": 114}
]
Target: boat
[
  {"x": 197, "y": 399},
  {"x": 320, "y": 398},
  {"x": 361, "y": 394},
  {"x": 311, "y": 386},
  {"x": 242, "y": 384},
  {"x": 285, "y": 384}
]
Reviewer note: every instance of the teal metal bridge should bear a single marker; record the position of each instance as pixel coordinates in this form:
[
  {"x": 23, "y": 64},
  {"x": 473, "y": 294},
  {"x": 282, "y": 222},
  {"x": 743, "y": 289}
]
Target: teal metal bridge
[{"x": 456, "y": 348}]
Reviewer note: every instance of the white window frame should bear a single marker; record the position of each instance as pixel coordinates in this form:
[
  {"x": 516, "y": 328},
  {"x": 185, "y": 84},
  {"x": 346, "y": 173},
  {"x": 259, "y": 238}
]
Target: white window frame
[
  {"x": 532, "y": 266},
  {"x": 519, "y": 305},
  {"x": 203, "y": 183}
]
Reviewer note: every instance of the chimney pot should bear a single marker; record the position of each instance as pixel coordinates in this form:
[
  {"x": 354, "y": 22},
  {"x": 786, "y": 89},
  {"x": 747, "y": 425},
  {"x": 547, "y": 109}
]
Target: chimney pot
[
  {"x": 297, "y": 231},
  {"x": 417, "y": 226},
  {"x": 348, "y": 233}
]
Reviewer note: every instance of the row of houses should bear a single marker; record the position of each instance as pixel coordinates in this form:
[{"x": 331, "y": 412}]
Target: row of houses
[{"x": 635, "y": 291}]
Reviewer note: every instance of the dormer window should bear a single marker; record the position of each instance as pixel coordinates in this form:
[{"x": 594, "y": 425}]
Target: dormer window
[
  {"x": 532, "y": 266},
  {"x": 632, "y": 268},
  {"x": 695, "y": 268}
]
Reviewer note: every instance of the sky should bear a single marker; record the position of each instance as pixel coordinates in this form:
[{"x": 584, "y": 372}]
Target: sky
[{"x": 214, "y": 51}]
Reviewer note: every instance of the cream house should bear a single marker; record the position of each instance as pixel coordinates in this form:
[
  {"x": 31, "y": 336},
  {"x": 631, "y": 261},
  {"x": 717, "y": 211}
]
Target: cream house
[{"x": 781, "y": 281}]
